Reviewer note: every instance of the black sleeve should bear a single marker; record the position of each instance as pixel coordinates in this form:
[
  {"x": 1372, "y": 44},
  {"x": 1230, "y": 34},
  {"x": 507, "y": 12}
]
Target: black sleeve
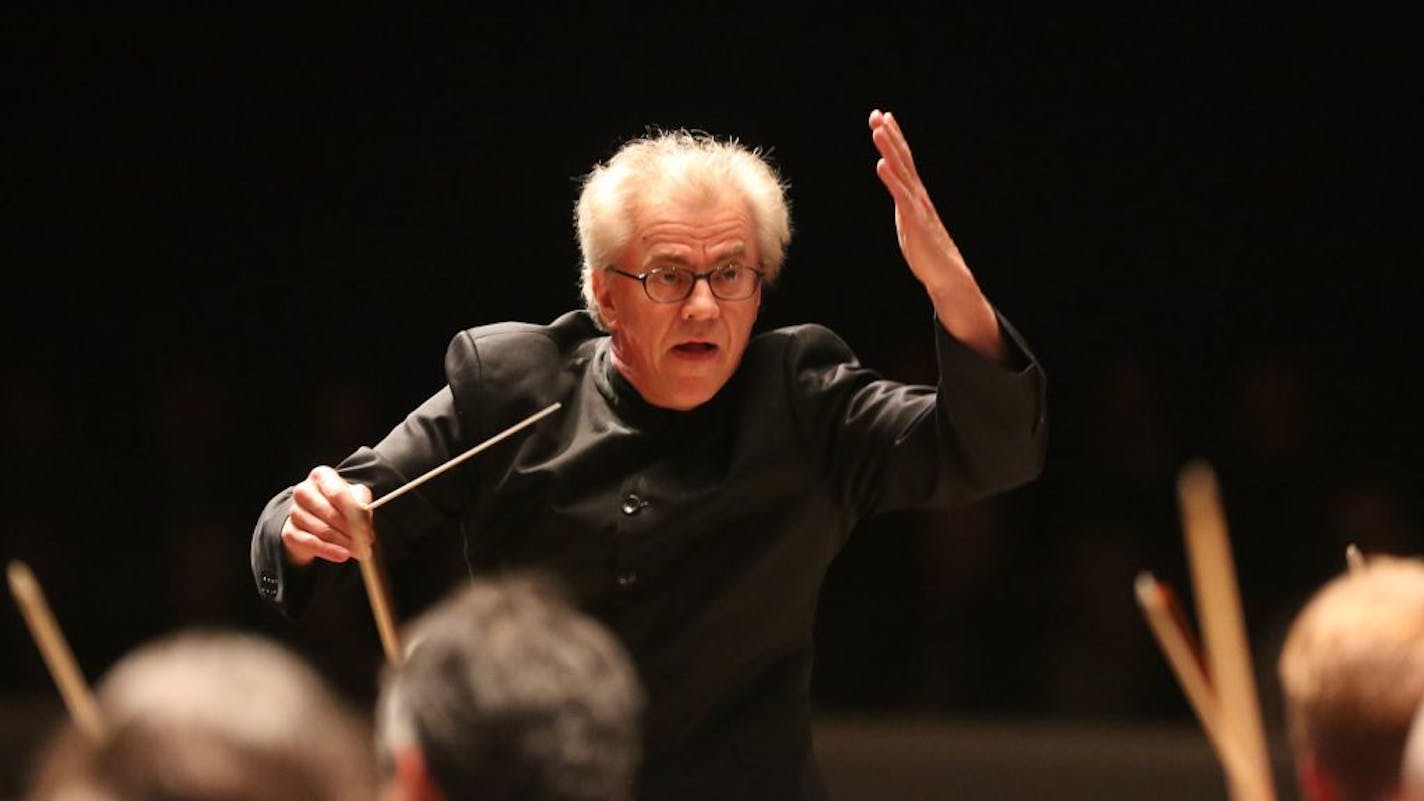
[
  {"x": 887, "y": 445},
  {"x": 427, "y": 438}
]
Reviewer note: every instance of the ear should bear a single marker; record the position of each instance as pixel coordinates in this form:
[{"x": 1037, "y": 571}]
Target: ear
[
  {"x": 412, "y": 780},
  {"x": 603, "y": 296}
]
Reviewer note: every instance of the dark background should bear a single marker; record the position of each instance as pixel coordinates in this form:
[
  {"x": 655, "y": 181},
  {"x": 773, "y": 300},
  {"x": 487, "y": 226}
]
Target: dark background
[{"x": 239, "y": 245}]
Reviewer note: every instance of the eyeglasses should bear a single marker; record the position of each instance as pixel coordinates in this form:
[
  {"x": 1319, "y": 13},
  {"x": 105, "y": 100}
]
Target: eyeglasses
[{"x": 674, "y": 284}]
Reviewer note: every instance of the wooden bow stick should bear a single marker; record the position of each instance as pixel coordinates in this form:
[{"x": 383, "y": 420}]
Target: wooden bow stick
[
  {"x": 55, "y": 649},
  {"x": 1221, "y": 686},
  {"x": 1353, "y": 557},
  {"x": 378, "y": 588},
  {"x": 373, "y": 570},
  {"x": 528, "y": 421},
  {"x": 1184, "y": 656}
]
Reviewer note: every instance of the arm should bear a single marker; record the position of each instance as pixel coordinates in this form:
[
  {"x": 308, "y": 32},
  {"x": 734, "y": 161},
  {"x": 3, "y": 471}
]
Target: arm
[
  {"x": 891, "y": 446},
  {"x": 306, "y": 528},
  {"x": 930, "y": 251}
]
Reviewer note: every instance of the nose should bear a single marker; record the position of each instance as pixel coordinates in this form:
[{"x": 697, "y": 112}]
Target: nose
[{"x": 701, "y": 304}]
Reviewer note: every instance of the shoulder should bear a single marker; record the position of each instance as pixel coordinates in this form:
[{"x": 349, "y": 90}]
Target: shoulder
[
  {"x": 800, "y": 346},
  {"x": 517, "y": 345},
  {"x": 514, "y": 360},
  {"x": 563, "y": 333},
  {"x": 798, "y": 362}
]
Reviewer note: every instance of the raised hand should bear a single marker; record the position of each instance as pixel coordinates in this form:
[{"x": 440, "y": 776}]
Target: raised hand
[{"x": 928, "y": 248}]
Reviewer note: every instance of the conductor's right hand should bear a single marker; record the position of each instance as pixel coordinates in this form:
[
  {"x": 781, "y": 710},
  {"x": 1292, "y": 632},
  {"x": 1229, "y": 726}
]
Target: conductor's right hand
[{"x": 329, "y": 519}]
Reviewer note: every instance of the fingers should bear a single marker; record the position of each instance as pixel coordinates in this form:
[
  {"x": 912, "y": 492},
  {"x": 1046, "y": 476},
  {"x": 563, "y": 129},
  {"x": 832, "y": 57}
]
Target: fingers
[
  {"x": 894, "y": 183},
  {"x": 896, "y": 170},
  {"x": 318, "y": 499},
  {"x": 302, "y": 546},
  {"x": 358, "y": 519},
  {"x": 890, "y": 141},
  {"x": 328, "y": 519},
  {"x": 308, "y": 523},
  {"x": 901, "y": 144},
  {"x": 926, "y": 244},
  {"x": 362, "y": 495}
]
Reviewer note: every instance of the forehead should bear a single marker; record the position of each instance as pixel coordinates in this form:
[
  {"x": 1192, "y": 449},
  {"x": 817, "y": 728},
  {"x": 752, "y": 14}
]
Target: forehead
[{"x": 691, "y": 228}]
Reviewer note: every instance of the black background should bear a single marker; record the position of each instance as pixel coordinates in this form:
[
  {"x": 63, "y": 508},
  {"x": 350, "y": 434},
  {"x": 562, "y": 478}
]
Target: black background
[{"x": 239, "y": 244}]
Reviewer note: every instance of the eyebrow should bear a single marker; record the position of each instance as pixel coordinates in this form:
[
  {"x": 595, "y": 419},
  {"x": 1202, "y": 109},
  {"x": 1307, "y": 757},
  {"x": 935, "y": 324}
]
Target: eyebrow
[{"x": 679, "y": 260}]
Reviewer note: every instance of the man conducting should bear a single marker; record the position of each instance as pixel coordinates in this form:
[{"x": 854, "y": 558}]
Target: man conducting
[{"x": 697, "y": 481}]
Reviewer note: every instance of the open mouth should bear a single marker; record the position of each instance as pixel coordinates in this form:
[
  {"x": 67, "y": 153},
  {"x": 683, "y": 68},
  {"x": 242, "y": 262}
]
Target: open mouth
[{"x": 695, "y": 348}]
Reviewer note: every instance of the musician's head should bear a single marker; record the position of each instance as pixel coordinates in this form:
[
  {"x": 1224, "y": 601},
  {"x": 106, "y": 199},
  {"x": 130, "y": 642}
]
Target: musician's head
[
  {"x": 662, "y": 211},
  {"x": 211, "y": 716},
  {"x": 1352, "y": 675},
  {"x": 506, "y": 692}
]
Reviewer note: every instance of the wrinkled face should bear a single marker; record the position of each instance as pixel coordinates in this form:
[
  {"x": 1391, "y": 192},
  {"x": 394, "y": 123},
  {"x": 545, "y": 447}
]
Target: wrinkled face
[{"x": 678, "y": 355}]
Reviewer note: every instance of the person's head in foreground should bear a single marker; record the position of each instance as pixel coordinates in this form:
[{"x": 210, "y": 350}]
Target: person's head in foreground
[
  {"x": 211, "y": 716},
  {"x": 507, "y": 692},
  {"x": 1352, "y": 675},
  {"x": 679, "y": 231}
]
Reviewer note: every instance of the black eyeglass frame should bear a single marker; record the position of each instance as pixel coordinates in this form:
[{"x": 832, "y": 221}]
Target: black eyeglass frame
[{"x": 642, "y": 278}]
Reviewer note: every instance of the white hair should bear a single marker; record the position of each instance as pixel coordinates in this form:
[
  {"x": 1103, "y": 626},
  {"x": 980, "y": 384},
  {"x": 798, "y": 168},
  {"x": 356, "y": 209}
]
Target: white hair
[{"x": 684, "y": 164}]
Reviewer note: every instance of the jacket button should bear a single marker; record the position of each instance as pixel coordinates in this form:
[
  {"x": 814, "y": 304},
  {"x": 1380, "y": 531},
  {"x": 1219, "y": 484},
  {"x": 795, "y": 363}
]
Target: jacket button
[
  {"x": 627, "y": 578},
  {"x": 632, "y": 504}
]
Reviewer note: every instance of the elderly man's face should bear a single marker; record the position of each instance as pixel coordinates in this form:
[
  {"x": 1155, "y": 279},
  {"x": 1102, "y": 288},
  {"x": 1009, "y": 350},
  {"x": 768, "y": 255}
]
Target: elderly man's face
[{"x": 678, "y": 355}]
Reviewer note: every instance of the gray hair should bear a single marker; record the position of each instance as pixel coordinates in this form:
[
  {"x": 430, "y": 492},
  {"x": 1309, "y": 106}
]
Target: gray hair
[
  {"x": 212, "y": 714},
  {"x": 682, "y": 163},
  {"x": 509, "y": 692}
]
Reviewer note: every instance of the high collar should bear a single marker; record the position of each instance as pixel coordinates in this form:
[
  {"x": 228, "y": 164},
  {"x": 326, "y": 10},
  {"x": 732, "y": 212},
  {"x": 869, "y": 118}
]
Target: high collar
[{"x": 630, "y": 405}]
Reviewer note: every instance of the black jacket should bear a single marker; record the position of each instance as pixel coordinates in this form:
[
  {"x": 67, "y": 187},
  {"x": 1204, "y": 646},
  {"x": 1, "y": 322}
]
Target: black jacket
[{"x": 700, "y": 537}]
